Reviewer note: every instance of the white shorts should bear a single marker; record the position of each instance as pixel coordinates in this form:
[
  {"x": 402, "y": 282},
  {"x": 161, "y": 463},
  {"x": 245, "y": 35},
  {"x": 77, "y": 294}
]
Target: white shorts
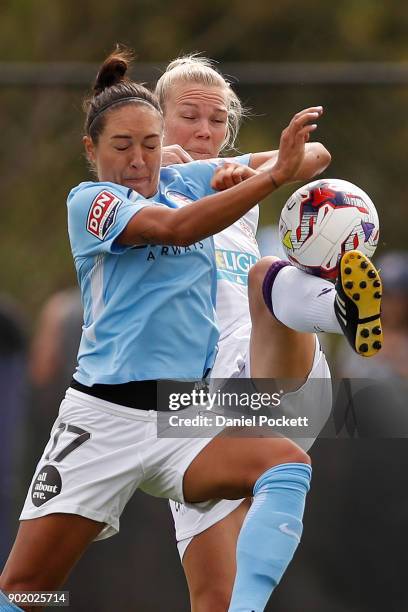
[
  {"x": 98, "y": 454},
  {"x": 311, "y": 399}
]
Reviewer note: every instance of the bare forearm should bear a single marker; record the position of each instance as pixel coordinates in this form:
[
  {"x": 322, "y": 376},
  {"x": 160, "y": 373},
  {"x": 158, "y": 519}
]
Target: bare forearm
[
  {"x": 200, "y": 219},
  {"x": 316, "y": 160},
  {"x": 213, "y": 213}
]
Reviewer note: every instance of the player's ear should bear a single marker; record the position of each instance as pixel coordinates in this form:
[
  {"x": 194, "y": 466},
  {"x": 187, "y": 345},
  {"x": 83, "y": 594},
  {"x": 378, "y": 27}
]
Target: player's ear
[{"x": 89, "y": 148}]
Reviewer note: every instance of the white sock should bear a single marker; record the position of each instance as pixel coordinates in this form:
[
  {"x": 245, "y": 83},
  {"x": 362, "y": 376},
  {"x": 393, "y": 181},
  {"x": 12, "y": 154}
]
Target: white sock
[{"x": 304, "y": 302}]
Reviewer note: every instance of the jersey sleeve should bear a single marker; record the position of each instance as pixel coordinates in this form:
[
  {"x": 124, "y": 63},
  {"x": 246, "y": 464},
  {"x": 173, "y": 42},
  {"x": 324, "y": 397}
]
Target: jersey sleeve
[
  {"x": 240, "y": 159},
  {"x": 197, "y": 175},
  {"x": 97, "y": 215}
]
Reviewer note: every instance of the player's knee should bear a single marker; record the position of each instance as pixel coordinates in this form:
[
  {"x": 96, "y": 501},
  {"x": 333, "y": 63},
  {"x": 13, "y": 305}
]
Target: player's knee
[
  {"x": 15, "y": 586},
  {"x": 294, "y": 454},
  {"x": 301, "y": 457},
  {"x": 256, "y": 278},
  {"x": 287, "y": 452},
  {"x": 257, "y": 273},
  {"x": 21, "y": 582}
]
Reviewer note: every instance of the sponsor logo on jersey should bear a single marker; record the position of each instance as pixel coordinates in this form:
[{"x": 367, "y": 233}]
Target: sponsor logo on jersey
[
  {"x": 179, "y": 198},
  {"x": 234, "y": 265},
  {"x": 102, "y": 214},
  {"x": 173, "y": 250},
  {"x": 247, "y": 230}
]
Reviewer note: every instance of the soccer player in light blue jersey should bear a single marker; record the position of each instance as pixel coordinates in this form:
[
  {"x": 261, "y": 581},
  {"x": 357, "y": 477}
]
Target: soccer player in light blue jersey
[{"x": 146, "y": 268}]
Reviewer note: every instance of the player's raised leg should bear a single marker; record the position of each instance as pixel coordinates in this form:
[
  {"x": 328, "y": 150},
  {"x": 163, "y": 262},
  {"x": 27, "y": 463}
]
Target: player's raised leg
[
  {"x": 308, "y": 304},
  {"x": 276, "y": 350}
]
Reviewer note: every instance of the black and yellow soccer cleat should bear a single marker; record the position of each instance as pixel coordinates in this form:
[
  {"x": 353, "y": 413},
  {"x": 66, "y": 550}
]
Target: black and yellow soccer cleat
[{"x": 358, "y": 303}]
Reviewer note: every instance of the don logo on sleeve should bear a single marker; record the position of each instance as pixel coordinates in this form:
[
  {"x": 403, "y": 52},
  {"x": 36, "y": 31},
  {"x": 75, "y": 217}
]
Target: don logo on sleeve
[{"x": 102, "y": 214}]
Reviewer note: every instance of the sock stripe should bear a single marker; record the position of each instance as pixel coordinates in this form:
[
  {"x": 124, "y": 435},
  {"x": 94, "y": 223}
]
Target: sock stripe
[{"x": 269, "y": 280}]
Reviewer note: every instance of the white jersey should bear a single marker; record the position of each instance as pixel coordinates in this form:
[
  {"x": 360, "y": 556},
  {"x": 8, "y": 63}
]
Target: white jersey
[{"x": 236, "y": 251}]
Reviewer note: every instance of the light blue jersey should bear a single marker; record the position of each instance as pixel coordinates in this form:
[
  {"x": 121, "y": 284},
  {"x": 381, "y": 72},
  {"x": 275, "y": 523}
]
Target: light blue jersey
[{"x": 148, "y": 310}]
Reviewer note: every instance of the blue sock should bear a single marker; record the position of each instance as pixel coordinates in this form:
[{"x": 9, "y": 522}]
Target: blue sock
[
  {"x": 270, "y": 534},
  {"x": 6, "y": 605}
]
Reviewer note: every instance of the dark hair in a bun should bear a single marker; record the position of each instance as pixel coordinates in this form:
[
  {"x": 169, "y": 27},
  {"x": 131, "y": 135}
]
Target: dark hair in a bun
[
  {"x": 113, "y": 69},
  {"x": 113, "y": 88}
]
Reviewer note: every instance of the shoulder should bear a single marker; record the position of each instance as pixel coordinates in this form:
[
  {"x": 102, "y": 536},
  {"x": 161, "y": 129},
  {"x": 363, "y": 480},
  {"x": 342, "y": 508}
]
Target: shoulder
[
  {"x": 191, "y": 169},
  {"x": 89, "y": 191},
  {"x": 193, "y": 178},
  {"x": 201, "y": 167}
]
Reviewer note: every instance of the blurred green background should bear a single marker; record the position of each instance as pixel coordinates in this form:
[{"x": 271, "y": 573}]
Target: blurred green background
[{"x": 364, "y": 125}]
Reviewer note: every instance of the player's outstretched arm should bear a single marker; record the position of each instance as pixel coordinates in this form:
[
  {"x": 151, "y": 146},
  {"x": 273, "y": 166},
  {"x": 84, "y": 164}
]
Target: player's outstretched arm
[{"x": 317, "y": 159}]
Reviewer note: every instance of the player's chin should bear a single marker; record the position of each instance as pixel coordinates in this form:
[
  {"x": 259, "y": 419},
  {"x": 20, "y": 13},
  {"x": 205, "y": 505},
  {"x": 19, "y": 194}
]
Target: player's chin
[{"x": 143, "y": 186}]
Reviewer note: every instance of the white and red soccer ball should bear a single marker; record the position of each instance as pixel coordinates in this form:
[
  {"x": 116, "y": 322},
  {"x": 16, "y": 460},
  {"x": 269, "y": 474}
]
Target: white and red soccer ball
[{"x": 323, "y": 220}]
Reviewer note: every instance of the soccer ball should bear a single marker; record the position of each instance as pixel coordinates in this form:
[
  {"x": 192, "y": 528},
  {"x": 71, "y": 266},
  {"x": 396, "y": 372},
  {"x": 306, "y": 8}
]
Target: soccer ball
[{"x": 323, "y": 220}]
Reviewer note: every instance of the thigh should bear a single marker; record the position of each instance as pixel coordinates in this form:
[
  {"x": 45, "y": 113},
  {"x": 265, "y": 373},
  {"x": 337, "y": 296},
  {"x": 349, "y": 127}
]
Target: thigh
[
  {"x": 276, "y": 351},
  {"x": 229, "y": 465},
  {"x": 45, "y": 551},
  {"x": 218, "y": 463},
  {"x": 279, "y": 352},
  {"x": 210, "y": 562}
]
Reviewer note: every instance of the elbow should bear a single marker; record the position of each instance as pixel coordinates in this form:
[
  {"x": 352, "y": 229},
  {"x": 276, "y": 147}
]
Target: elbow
[
  {"x": 326, "y": 157},
  {"x": 323, "y": 156}
]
